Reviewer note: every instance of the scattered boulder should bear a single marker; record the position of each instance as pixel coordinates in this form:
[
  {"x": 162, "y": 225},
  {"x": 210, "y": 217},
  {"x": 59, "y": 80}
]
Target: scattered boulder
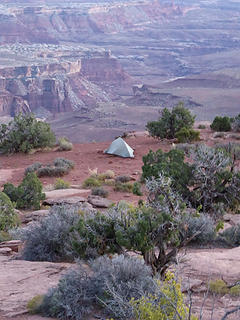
[{"x": 99, "y": 202}]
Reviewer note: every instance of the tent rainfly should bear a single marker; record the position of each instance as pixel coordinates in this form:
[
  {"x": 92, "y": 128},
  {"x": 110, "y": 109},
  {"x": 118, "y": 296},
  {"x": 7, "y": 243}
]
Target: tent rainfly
[{"x": 120, "y": 148}]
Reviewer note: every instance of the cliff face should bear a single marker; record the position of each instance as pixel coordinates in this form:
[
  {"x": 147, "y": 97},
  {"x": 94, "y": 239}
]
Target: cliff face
[
  {"x": 58, "y": 87},
  {"x": 34, "y": 21}
]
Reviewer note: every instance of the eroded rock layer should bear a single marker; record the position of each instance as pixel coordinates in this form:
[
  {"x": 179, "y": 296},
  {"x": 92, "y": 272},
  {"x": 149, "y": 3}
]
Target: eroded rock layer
[{"x": 52, "y": 78}]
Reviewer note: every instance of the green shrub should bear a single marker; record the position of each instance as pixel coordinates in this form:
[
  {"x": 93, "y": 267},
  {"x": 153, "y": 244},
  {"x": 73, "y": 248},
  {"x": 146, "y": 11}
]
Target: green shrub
[
  {"x": 166, "y": 304},
  {"x": 8, "y": 218},
  {"x": 34, "y": 304},
  {"x": 28, "y": 194},
  {"x": 91, "y": 182},
  {"x": 123, "y": 187},
  {"x": 137, "y": 189},
  {"x": 201, "y": 126},
  {"x": 24, "y": 134},
  {"x": 61, "y": 184},
  {"x": 4, "y": 236},
  {"x": 187, "y": 135},
  {"x": 221, "y": 124},
  {"x": 64, "y": 144},
  {"x": 235, "y": 291},
  {"x": 172, "y": 165},
  {"x": 218, "y": 286},
  {"x": 170, "y": 122},
  {"x": 99, "y": 191}
]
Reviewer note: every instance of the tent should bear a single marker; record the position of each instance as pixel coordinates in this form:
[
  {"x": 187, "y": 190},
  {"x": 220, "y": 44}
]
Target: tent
[{"x": 120, "y": 148}]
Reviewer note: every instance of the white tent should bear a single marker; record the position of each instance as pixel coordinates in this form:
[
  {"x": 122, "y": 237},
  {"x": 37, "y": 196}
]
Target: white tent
[{"x": 120, "y": 148}]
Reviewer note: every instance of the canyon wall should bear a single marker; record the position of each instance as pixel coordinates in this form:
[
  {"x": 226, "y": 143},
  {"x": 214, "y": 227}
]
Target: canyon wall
[
  {"x": 35, "y": 21},
  {"x": 58, "y": 87}
]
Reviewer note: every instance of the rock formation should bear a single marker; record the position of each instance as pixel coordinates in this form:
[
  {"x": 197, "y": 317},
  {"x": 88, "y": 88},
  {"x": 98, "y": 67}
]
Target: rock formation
[{"x": 55, "y": 79}]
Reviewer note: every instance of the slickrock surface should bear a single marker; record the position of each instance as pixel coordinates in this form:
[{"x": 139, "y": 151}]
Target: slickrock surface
[{"x": 21, "y": 280}]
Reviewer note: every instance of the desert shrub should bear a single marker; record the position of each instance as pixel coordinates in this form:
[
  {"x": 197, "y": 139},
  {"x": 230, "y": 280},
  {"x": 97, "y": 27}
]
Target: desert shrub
[
  {"x": 28, "y": 194},
  {"x": 216, "y": 182},
  {"x": 91, "y": 182},
  {"x": 218, "y": 286},
  {"x": 123, "y": 187},
  {"x": 221, "y": 124},
  {"x": 11, "y": 191},
  {"x": 170, "y": 122},
  {"x": 232, "y": 148},
  {"x": 235, "y": 291},
  {"x": 236, "y": 124},
  {"x": 201, "y": 126},
  {"x": 58, "y": 168},
  {"x": 99, "y": 191},
  {"x": 202, "y": 223},
  {"x": 64, "y": 144},
  {"x": 166, "y": 304},
  {"x": 8, "y": 217},
  {"x": 49, "y": 171},
  {"x": 63, "y": 163},
  {"x": 137, "y": 189},
  {"x": 50, "y": 238},
  {"x": 61, "y": 184},
  {"x": 109, "y": 174},
  {"x": 33, "y": 168},
  {"x": 170, "y": 164},
  {"x": 123, "y": 179},
  {"x": 34, "y": 304},
  {"x": 185, "y": 147},
  {"x": 187, "y": 135},
  {"x": 25, "y": 133},
  {"x": 111, "y": 285},
  {"x": 4, "y": 236},
  {"x": 232, "y": 236}
]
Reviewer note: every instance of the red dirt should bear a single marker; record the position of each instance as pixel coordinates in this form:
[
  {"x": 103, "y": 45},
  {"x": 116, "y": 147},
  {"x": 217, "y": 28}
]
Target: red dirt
[{"x": 90, "y": 156}]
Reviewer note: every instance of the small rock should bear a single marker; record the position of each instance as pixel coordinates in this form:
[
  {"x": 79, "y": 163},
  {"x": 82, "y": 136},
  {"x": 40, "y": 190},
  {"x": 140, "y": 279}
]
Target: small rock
[
  {"x": 234, "y": 218},
  {"x": 14, "y": 245},
  {"x": 99, "y": 202},
  {"x": 191, "y": 284},
  {"x": 225, "y": 227},
  {"x": 5, "y": 251},
  {"x": 62, "y": 201},
  {"x": 63, "y": 193},
  {"x": 34, "y": 216}
]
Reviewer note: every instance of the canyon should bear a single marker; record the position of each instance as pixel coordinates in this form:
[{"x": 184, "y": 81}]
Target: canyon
[{"x": 78, "y": 63}]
